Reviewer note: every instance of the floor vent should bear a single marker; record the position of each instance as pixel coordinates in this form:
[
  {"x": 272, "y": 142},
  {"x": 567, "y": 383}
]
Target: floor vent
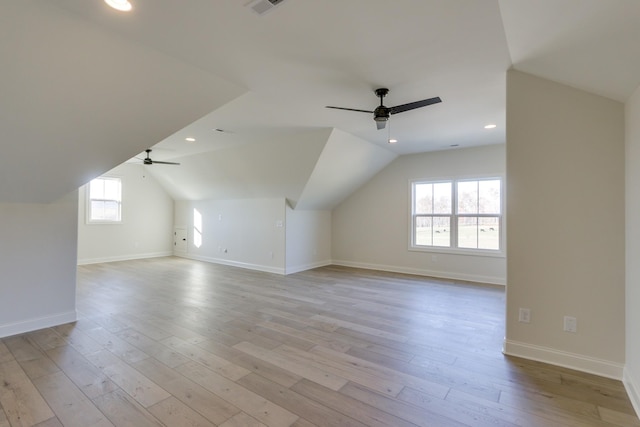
[{"x": 263, "y": 6}]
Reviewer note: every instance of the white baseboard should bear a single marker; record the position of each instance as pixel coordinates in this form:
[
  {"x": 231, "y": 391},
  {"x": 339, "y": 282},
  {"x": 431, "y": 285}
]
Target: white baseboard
[
  {"x": 29, "y": 325},
  {"x": 248, "y": 266},
  {"x": 632, "y": 390},
  {"x": 591, "y": 365},
  {"x": 305, "y": 267},
  {"x": 423, "y": 272},
  {"x": 85, "y": 261}
]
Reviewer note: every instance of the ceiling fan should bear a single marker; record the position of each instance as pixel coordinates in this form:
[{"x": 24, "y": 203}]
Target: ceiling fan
[
  {"x": 147, "y": 160},
  {"x": 381, "y": 113}
]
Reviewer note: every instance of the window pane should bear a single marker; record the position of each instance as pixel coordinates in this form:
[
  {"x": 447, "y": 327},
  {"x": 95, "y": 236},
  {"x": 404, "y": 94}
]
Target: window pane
[
  {"x": 105, "y": 210},
  {"x": 97, "y": 210},
  {"x": 442, "y": 198},
  {"x": 467, "y": 197},
  {"x": 489, "y": 235},
  {"x": 424, "y": 231},
  {"x": 489, "y": 196},
  {"x": 111, "y": 211},
  {"x": 479, "y": 233},
  {"x": 468, "y": 232},
  {"x": 112, "y": 189},
  {"x": 442, "y": 231},
  {"x": 433, "y": 231},
  {"x": 423, "y": 194},
  {"x": 96, "y": 189}
]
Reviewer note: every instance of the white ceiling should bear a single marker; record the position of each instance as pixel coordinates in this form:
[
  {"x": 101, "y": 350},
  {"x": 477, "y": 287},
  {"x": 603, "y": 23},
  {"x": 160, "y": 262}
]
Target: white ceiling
[
  {"x": 207, "y": 64},
  {"x": 304, "y": 55}
]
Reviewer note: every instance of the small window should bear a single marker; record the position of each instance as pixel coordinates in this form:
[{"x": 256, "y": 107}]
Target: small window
[
  {"x": 104, "y": 201},
  {"x": 457, "y": 214}
]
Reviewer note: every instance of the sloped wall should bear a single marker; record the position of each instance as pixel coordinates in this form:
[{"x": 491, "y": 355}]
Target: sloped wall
[
  {"x": 267, "y": 167},
  {"x": 345, "y": 164},
  {"x": 85, "y": 100}
]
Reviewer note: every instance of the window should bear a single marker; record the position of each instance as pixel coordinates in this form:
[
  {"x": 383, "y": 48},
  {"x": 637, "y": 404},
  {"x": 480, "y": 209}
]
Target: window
[
  {"x": 104, "y": 201},
  {"x": 458, "y": 214}
]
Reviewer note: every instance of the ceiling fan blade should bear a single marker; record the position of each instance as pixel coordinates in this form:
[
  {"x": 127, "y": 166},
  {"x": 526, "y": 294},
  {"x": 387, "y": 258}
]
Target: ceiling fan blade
[
  {"x": 413, "y": 105},
  {"x": 153, "y": 162},
  {"x": 381, "y": 124},
  {"x": 350, "y": 109}
]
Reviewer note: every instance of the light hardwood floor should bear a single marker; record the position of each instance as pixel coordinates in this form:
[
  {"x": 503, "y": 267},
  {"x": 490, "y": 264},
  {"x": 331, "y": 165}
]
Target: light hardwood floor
[{"x": 177, "y": 342}]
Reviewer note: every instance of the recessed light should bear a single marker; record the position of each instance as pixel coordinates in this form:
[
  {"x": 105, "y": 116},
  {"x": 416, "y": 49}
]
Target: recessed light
[
  {"x": 393, "y": 141},
  {"x": 491, "y": 126},
  {"x": 190, "y": 139},
  {"x": 121, "y": 5}
]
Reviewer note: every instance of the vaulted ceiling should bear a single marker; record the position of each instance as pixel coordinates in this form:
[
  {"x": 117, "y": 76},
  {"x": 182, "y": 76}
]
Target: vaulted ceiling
[{"x": 85, "y": 87}]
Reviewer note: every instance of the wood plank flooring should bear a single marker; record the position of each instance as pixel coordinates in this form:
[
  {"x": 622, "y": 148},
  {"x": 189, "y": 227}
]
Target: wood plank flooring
[{"x": 177, "y": 342}]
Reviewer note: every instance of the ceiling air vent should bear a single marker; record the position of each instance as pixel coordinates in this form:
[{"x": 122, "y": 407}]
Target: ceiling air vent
[{"x": 263, "y": 6}]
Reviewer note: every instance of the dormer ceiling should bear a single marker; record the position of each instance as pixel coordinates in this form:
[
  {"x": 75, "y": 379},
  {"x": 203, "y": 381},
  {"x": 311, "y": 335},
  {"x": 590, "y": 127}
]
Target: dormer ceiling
[{"x": 86, "y": 87}]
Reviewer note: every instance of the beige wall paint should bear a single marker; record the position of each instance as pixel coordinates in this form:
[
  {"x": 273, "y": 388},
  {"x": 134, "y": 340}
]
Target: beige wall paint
[
  {"x": 371, "y": 227},
  {"x": 632, "y": 171},
  {"x": 565, "y": 224},
  {"x": 147, "y": 220},
  {"x": 38, "y": 264}
]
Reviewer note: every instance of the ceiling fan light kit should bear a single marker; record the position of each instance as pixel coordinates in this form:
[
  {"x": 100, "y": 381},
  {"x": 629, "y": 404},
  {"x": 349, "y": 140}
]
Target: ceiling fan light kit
[{"x": 381, "y": 114}]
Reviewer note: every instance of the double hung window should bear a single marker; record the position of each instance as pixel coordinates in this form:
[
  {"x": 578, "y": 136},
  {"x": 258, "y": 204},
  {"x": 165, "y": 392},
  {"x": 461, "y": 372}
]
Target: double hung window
[
  {"x": 104, "y": 201},
  {"x": 461, "y": 214}
]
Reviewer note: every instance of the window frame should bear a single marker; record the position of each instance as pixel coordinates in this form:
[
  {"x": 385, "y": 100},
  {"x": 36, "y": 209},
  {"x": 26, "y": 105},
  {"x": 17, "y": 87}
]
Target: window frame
[
  {"x": 88, "y": 200},
  {"x": 454, "y": 216}
]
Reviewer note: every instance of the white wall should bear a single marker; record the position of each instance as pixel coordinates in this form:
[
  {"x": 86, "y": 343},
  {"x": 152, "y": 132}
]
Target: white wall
[
  {"x": 371, "y": 227},
  {"x": 248, "y": 233},
  {"x": 147, "y": 221},
  {"x": 632, "y": 168},
  {"x": 308, "y": 239},
  {"x": 565, "y": 225},
  {"x": 37, "y": 264}
]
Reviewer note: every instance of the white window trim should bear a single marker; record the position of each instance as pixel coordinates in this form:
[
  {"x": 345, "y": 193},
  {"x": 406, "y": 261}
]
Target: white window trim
[
  {"x": 87, "y": 210},
  {"x": 491, "y": 253}
]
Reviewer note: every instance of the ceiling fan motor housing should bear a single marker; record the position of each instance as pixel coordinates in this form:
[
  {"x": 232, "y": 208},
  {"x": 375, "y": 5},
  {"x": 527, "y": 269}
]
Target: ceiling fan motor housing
[{"x": 381, "y": 114}]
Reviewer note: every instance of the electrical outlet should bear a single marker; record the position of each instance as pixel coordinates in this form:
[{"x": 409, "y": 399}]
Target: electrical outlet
[
  {"x": 570, "y": 324},
  {"x": 524, "y": 315}
]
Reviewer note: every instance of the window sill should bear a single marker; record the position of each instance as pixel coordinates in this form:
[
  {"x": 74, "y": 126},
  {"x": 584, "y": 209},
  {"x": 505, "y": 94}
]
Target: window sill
[
  {"x": 104, "y": 222},
  {"x": 456, "y": 251}
]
